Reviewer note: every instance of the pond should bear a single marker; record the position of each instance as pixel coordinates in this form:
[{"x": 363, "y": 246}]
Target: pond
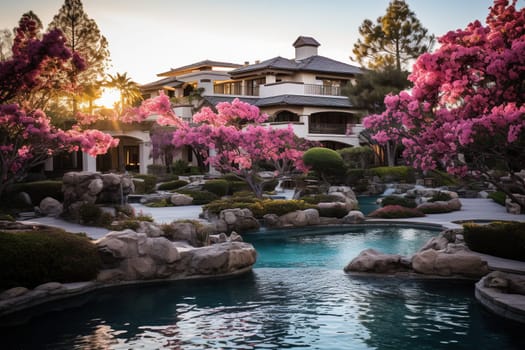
[{"x": 297, "y": 297}]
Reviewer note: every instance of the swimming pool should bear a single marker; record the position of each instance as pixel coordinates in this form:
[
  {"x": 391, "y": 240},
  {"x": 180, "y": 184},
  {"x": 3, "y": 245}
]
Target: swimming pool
[{"x": 297, "y": 297}]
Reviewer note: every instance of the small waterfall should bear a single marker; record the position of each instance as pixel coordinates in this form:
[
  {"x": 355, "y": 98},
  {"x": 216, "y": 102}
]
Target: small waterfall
[{"x": 390, "y": 189}]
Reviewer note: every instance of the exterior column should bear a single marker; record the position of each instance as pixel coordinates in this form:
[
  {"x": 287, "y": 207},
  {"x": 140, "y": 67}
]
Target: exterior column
[
  {"x": 89, "y": 163},
  {"x": 144, "y": 159}
]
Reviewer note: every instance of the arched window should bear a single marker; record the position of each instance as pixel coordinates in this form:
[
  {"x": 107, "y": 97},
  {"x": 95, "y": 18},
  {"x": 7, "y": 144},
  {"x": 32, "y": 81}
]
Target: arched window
[{"x": 286, "y": 116}]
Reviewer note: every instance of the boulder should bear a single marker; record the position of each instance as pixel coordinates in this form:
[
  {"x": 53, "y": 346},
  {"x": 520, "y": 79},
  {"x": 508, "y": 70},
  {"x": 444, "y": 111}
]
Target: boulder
[
  {"x": 440, "y": 206},
  {"x": 238, "y": 219},
  {"x": 271, "y": 220},
  {"x": 436, "y": 243},
  {"x": 312, "y": 216},
  {"x": 154, "y": 197},
  {"x": 50, "y": 207},
  {"x": 505, "y": 282},
  {"x": 13, "y": 293},
  {"x": 295, "y": 218},
  {"x": 179, "y": 199},
  {"x": 346, "y": 194},
  {"x": 353, "y": 217},
  {"x": 50, "y": 286},
  {"x": 221, "y": 258},
  {"x": 150, "y": 229},
  {"x": 433, "y": 262},
  {"x": 95, "y": 186},
  {"x": 370, "y": 260},
  {"x": 182, "y": 231}
]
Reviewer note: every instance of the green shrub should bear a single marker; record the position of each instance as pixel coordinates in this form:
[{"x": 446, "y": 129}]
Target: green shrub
[
  {"x": 320, "y": 198},
  {"x": 38, "y": 190},
  {"x": 200, "y": 197},
  {"x": 140, "y": 186},
  {"x": 442, "y": 178},
  {"x": 180, "y": 167},
  {"x": 160, "y": 204},
  {"x": 440, "y": 197},
  {"x": 335, "y": 212},
  {"x": 90, "y": 214},
  {"x": 503, "y": 239},
  {"x": 172, "y": 185},
  {"x": 357, "y": 157},
  {"x": 325, "y": 162},
  {"x": 395, "y": 212},
  {"x": 150, "y": 181},
  {"x": 270, "y": 185},
  {"x": 394, "y": 173},
  {"x": 237, "y": 186},
  {"x": 258, "y": 207},
  {"x": 354, "y": 176},
  {"x": 498, "y": 197},
  {"x": 398, "y": 200},
  {"x": 157, "y": 169},
  {"x": 31, "y": 258},
  {"x": 219, "y": 187}
]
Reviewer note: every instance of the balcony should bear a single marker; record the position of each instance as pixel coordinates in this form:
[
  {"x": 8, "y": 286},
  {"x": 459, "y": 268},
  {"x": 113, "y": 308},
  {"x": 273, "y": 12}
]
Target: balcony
[
  {"x": 333, "y": 129},
  {"x": 236, "y": 88},
  {"x": 324, "y": 90}
]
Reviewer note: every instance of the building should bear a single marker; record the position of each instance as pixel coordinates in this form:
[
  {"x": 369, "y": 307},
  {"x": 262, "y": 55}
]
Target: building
[{"x": 305, "y": 91}]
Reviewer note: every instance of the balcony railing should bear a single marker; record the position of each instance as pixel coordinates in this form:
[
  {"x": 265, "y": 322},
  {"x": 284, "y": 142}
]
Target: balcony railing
[
  {"x": 235, "y": 89},
  {"x": 334, "y": 129},
  {"x": 325, "y": 90}
]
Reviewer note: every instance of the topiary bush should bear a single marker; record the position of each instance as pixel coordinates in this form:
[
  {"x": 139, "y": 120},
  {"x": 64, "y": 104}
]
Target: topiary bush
[
  {"x": 219, "y": 187},
  {"x": 150, "y": 181},
  {"x": 440, "y": 197},
  {"x": 395, "y": 212},
  {"x": 394, "y": 173},
  {"x": 357, "y": 157},
  {"x": 172, "y": 185},
  {"x": 237, "y": 186},
  {"x": 398, "y": 200},
  {"x": 258, "y": 207},
  {"x": 498, "y": 197},
  {"x": 200, "y": 197},
  {"x": 38, "y": 190},
  {"x": 31, "y": 258},
  {"x": 324, "y": 161},
  {"x": 503, "y": 239}
]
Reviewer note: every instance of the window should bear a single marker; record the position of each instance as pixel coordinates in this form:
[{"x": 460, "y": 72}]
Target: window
[
  {"x": 252, "y": 86},
  {"x": 286, "y": 116}
]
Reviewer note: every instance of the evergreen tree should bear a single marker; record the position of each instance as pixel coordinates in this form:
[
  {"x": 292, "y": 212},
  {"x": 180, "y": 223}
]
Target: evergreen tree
[
  {"x": 394, "y": 40},
  {"x": 84, "y": 38}
]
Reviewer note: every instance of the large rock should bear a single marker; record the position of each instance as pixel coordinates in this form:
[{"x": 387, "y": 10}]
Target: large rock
[
  {"x": 370, "y": 260},
  {"x": 221, "y": 258},
  {"x": 130, "y": 255},
  {"x": 505, "y": 282},
  {"x": 433, "y": 262},
  {"x": 353, "y": 217},
  {"x": 179, "y": 199},
  {"x": 346, "y": 195},
  {"x": 182, "y": 231},
  {"x": 50, "y": 206},
  {"x": 300, "y": 218},
  {"x": 238, "y": 220},
  {"x": 440, "y": 206}
]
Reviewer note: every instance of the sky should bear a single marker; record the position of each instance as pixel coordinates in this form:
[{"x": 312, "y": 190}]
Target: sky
[{"x": 147, "y": 37}]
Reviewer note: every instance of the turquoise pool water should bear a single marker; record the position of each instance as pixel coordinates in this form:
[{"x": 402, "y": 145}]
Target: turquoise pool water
[{"x": 297, "y": 297}]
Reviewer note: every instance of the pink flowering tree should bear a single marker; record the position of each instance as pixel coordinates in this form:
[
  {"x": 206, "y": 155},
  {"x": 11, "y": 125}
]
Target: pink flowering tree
[
  {"x": 27, "y": 137},
  {"x": 232, "y": 142},
  {"x": 465, "y": 112}
]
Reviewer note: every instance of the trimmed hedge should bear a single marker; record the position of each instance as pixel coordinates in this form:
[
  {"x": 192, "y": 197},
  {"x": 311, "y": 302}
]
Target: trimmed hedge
[
  {"x": 440, "y": 197},
  {"x": 38, "y": 190},
  {"x": 498, "y": 197},
  {"x": 31, "y": 258},
  {"x": 398, "y": 200},
  {"x": 320, "y": 198},
  {"x": 172, "y": 185},
  {"x": 258, "y": 207},
  {"x": 219, "y": 187},
  {"x": 150, "y": 181},
  {"x": 395, "y": 212},
  {"x": 394, "y": 173},
  {"x": 200, "y": 197},
  {"x": 503, "y": 239}
]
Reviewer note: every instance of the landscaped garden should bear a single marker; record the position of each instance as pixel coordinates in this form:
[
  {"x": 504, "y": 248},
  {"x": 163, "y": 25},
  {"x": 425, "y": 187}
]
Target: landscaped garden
[{"x": 256, "y": 268}]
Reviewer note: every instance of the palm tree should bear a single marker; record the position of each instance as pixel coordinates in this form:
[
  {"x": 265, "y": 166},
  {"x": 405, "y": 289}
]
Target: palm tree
[
  {"x": 90, "y": 93},
  {"x": 129, "y": 90}
]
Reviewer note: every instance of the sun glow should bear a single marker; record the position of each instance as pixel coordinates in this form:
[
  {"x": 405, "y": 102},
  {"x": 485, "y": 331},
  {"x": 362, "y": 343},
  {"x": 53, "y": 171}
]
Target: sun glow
[{"x": 109, "y": 98}]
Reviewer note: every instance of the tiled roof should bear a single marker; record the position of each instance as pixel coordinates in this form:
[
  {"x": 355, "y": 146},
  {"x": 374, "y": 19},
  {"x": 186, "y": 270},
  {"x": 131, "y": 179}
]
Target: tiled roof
[
  {"x": 298, "y": 100},
  {"x": 290, "y": 100},
  {"x": 313, "y": 64},
  {"x": 205, "y": 63},
  {"x": 169, "y": 81}
]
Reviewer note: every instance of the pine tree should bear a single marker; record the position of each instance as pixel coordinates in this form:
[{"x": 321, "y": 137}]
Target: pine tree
[
  {"x": 84, "y": 38},
  {"x": 394, "y": 40}
]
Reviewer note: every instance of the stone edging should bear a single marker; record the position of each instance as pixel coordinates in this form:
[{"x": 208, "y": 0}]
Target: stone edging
[
  {"x": 509, "y": 306},
  {"x": 37, "y": 297}
]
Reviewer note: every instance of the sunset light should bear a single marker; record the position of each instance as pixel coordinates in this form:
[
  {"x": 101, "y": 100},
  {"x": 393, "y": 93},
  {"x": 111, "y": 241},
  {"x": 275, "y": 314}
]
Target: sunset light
[{"x": 109, "y": 98}]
